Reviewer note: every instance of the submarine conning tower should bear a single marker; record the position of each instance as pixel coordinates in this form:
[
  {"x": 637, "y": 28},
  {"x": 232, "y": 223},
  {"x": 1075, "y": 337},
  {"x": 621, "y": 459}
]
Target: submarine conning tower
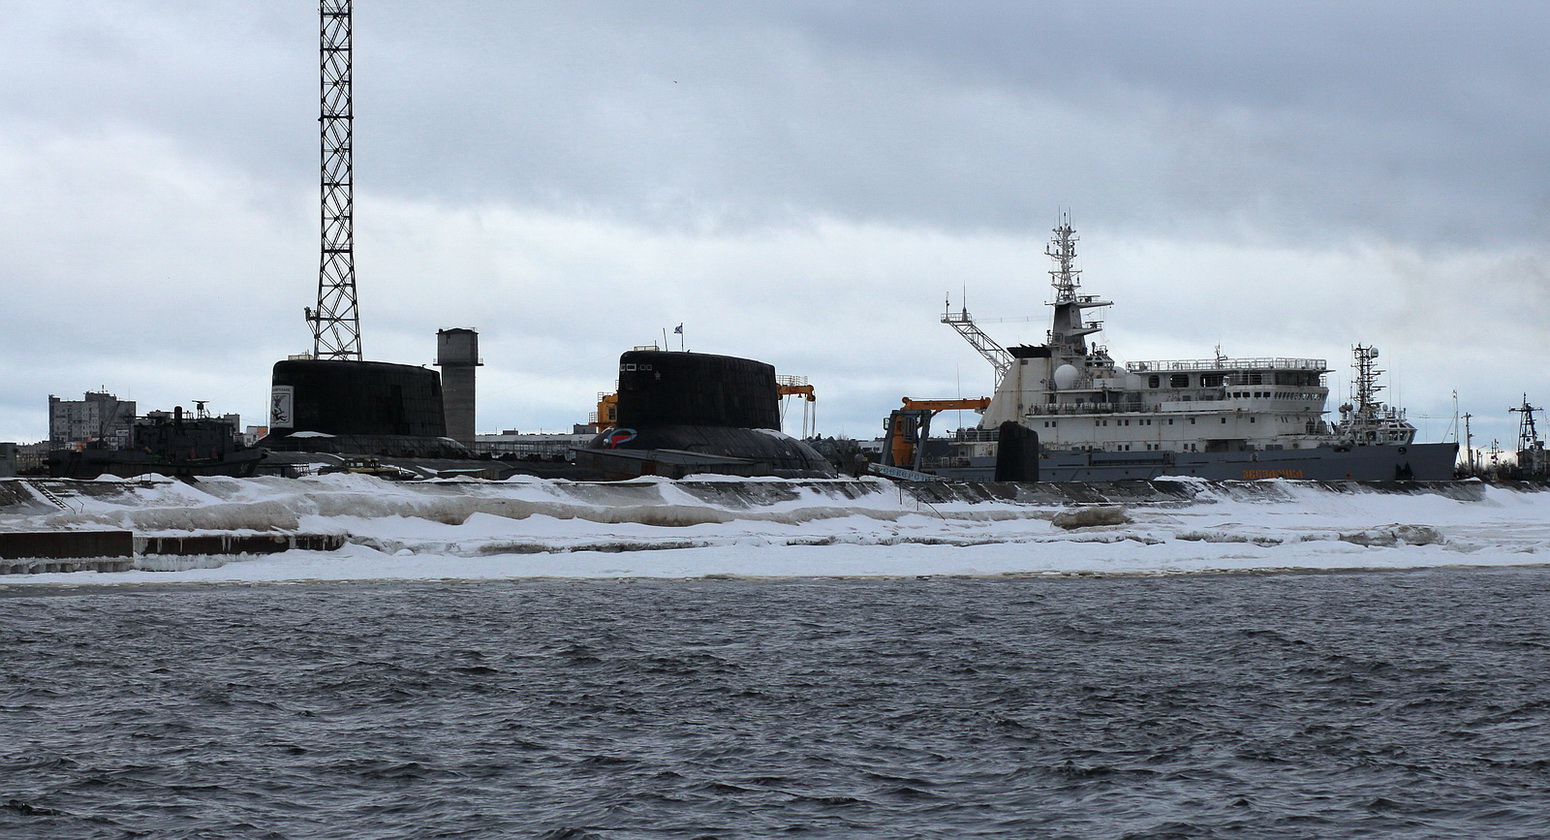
[
  {"x": 665, "y": 388},
  {"x": 340, "y": 397},
  {"x": 683, "y": 413}
]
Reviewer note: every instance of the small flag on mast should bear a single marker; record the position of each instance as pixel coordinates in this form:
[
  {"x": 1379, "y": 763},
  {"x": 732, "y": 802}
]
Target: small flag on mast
[{"x": 678, "y": 330}]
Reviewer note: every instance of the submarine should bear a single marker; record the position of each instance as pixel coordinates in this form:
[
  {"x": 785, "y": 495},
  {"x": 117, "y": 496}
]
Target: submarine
[
  {"x": 358, "y": 408},
  {"x": 683, "y": 413}
]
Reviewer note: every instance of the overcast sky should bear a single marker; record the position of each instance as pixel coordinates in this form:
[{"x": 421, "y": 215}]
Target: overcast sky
[{"x": 803, "y": 183}]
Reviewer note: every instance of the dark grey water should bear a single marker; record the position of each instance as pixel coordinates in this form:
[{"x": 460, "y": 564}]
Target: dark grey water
[{"x": 1391, "y": 705}]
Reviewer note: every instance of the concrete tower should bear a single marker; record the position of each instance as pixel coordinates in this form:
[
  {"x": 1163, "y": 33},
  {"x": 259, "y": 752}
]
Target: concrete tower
[{"x": 457, "y": 354}]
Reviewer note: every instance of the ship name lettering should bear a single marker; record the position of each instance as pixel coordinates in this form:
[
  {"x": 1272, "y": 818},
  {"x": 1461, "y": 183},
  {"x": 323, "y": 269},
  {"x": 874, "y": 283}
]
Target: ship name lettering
[{"x": 1250, "y": 475}]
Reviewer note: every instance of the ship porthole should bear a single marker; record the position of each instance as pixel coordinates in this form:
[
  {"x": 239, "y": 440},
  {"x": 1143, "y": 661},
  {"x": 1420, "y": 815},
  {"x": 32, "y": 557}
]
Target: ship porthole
[{"x": 1402, "y": 450}]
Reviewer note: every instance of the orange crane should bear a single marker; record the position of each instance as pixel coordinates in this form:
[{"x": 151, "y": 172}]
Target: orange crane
[
  {"x": 796, "y": 386},
  {"x": 607, "y": 411},
  {"x": 910, "y": 424}
]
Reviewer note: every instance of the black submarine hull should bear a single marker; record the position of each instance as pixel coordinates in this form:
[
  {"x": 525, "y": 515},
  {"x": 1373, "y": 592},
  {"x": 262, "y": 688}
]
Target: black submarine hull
[
  {"x": 683, "y": 413},
  {"x": 358, "y": 408}
]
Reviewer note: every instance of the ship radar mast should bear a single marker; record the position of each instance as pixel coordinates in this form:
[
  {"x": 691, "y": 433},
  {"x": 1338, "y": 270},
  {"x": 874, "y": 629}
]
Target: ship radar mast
[
  {"x": 1065, "y": 276},
  {"x": 1528, "y": 433},
  {"x": 1366, "y": 420},
  {"x": 1068, "y": 327},
  {"x": 1367, "y": 374}
]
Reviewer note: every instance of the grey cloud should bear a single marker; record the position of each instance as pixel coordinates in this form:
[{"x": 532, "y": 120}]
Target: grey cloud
[
  {"x": 1330, "y": 117},
  {"x": 1287, "y": 128}
]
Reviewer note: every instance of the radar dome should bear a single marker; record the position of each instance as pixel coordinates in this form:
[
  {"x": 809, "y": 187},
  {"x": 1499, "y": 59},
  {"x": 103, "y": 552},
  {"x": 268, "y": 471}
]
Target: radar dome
[{"x": 1066, "y": 376}]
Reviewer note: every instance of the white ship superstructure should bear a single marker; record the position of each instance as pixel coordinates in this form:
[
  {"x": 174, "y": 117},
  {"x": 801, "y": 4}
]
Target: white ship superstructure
[{"x": 1224, "y": 417}]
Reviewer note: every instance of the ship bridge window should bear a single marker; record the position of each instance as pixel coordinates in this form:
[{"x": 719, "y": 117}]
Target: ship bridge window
[
  {"x": 1153, "y": 381},
  {"x": 1178, "y": 380},
  {"x": 1210, "y": 380}
]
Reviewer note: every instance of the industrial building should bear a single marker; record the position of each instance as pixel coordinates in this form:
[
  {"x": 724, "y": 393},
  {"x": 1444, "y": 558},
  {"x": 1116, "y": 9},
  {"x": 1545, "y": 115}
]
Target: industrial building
[
  {"x": 534, "y": 445},
  {"x": 100, "y": 416}
]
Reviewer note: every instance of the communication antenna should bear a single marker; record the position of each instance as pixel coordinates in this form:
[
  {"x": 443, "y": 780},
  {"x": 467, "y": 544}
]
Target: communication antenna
[
  {"x": 336, "y": 325},
  {"x": 1469, "y": 444},
  {"x": 1367, "y": 374},
  {"x": 1528, "y": 432},
  {"x": 1066, "y": 276}
]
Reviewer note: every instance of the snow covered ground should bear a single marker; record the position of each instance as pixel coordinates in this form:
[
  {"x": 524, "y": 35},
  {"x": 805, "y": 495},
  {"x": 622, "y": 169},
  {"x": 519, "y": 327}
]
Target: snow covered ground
[{"x": 527, "y": 528}]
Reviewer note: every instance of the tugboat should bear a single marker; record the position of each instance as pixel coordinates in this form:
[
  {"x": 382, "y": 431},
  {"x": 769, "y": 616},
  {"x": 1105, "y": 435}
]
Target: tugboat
[{"x": 1218, "y": 418}]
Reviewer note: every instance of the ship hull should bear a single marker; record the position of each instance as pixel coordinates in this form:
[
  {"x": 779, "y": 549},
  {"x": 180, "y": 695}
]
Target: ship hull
[
  {"x": 130, "y": 464},
  {"x": 1412, "y": 462}
]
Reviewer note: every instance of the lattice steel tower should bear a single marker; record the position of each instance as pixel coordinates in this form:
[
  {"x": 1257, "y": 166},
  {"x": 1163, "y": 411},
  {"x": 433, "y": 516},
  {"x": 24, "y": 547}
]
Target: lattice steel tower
[{"x": 336, "y": 326}]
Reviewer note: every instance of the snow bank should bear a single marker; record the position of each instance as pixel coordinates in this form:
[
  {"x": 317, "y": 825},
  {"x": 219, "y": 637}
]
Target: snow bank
[{"x": 656, "y": 528}]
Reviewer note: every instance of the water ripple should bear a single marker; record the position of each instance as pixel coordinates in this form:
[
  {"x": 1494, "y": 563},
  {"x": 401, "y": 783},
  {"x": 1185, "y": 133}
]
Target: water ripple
[{"x": 1297, "y": 706}]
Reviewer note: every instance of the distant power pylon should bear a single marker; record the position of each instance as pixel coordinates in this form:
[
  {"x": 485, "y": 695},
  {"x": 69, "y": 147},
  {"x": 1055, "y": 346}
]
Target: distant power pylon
[{"x": 336, "y": 325}]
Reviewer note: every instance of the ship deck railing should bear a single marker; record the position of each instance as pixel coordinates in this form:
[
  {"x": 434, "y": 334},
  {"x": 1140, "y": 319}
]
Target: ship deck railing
[
  {"x": 1098, "y": 408},
  {"x": 1227, "y": 365}
]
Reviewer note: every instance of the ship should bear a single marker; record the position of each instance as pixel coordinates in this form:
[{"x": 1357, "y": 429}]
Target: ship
[
  {"x": 172, "y": 444},
  {"x": 1081, "y": 416}
]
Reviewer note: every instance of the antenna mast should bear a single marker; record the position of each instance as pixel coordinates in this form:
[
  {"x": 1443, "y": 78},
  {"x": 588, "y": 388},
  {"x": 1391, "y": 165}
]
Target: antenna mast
[
  {"x": 336, "y": 326},
  {"x": 1367, "y": 374},
  {"x": 1065, "y": 277},
  {"x": 1528, "y": 433}
]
